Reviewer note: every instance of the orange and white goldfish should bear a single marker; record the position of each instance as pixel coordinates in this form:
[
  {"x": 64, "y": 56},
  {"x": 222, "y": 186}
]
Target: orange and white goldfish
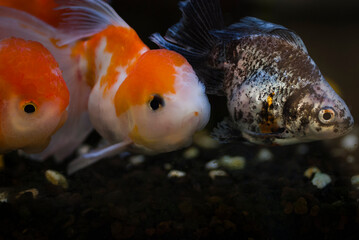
[
  {"x": 33, "y": 96},
  {"x": 42, "y": 9},
  {"x": 136, "y": 98}
]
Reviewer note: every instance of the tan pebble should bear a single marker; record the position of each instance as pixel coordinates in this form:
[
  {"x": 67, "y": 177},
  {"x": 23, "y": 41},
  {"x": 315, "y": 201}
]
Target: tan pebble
[
  {"x": 213, "y": 164},
  {"x": 288, "y": 208},
  {"x": 321, "y": 180},
  {"x": 33, "y": 191},
  {"x": 314, "y": 210},
  {"x": 3, "y": 197},
  {"x": 56, "y": 178},
  {"x": 217, "y": 173},
  {"x": 191, "y": 153},
  {"x": 204, "y": 140},
  {"x": 176, "y": 174},
  {"x": 310, "y": 171},
  {"x": 232, "y": 163}
]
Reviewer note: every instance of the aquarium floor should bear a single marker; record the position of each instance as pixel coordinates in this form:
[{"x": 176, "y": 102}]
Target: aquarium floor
[{"x": 115, "y": 200}]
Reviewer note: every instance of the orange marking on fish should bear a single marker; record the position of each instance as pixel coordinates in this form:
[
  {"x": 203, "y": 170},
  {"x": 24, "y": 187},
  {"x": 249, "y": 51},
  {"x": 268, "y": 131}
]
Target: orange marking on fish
[
  {"x": 154, "y": 73},
  {"x": 268, "y": 124},
  {"x": 39, "y": 66},
  {"x": 196, "y": 114}
]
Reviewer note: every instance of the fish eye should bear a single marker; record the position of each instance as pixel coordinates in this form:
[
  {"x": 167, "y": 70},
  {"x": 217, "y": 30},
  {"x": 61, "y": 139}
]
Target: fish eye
[
  {"x": 156, "y": 102},
  {"x": 29, "y": 107},
  {"x": 326, "y": 115}
]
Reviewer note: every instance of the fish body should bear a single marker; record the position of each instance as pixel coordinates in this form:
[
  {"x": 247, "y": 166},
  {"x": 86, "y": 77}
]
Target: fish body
[
  {"x": 276, "y": 95},
  {"x": 136, "y": 98},
  {"x": 33, "y": 96}
]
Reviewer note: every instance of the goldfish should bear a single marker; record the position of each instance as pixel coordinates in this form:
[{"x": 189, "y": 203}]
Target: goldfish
[
  {"x": 42, "y": 9},
  {"x": 33, "y": 96},
  {"x": 136, "y": 98},
  {"x": 276, "y": 94}
]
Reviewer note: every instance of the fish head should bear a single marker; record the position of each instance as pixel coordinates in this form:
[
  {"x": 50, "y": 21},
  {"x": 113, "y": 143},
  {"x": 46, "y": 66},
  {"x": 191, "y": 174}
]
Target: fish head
[
  {"x": 166, "y": 103},
  {"x": 317, "y": 112},
  {"x": 34, "y": 96}
]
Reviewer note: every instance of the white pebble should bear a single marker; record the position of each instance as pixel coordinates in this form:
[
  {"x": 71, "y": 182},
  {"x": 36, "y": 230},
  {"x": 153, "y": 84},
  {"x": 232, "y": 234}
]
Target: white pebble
[
  {"x": 213, "y": 164},
  {"x": 191, "y": 153},
  {"x": 56, "y": 178},
  {"x": 83, "y": 149},
  {"x": 321, "y": 180},
  {"x": 310, "y": 171},
  {"x": 176, "y": 174},
  {"x": 350, "y": 142},
  {"x": 232, "y": 163},
  {"x": 136, "y": 160},
  {"x": 217, "y": 173},
  {"x": 264, "y": 155}
]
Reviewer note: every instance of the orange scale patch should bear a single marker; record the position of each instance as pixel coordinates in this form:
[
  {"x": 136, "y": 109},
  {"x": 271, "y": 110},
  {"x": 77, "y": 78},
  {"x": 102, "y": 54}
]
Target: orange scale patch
[
  {"x": 153, "y": 73},
  {"x": 28, "y": 69}
]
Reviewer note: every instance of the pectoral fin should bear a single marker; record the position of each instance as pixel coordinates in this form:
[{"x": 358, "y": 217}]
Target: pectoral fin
[{"x": 96, "y": 155}]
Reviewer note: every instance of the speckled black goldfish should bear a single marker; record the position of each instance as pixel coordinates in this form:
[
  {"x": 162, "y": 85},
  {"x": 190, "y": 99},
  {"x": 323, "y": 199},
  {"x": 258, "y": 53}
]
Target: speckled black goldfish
[{"x": 275, "y": 93}]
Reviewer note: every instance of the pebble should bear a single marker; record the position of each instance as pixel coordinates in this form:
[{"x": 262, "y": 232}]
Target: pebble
[
  {"x": 310, "y": 171},
  {"x": 3, "y": 197},
  {"x": 350, "y": 142},
  {"x": 83, "y": 149},
  {"x": 56, "y": 178},
  {"x": 204, "y": 140},
  {"x": 176, "y": 174},
  {"x": 136, "y": 160},
  {"x": 211, "y": 165},
  {"x": 191, "y": 153},
  {"x": 167, "y": 166},
  {"x": 355, "y": 180},
  {"x": 232, "y": 163},
  {"x": 264, "y": 155},
  {"x": 321, "y": 180},
  {"x": 217, "y": 173},
  {"x": 33, "y": 191}
]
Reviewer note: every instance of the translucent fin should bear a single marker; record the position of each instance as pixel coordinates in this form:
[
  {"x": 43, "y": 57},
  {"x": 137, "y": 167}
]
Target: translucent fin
[
  {"x": 96, "y": 155},
  {"x": 14, "y": 23},
  {"x": 226, "y": 132},
  {"x": 191, "y": 37},
  {"x": 251, "y": 25},
  {"x": 84, "y": 18}
]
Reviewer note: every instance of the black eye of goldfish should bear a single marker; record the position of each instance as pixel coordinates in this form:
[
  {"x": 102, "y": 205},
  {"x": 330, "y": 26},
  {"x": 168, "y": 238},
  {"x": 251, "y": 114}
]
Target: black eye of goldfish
[
  {"x": 29, "y": 108},
  {"x": 157, "y": 102},
  {"x": 326, "y": 115}
]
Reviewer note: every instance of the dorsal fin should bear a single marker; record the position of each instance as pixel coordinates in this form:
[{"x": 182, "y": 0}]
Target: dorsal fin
[
  {"x": 191, "y": 37},
  {"x": 251, "y": 25},
  {"x": 84, "y": 18}
]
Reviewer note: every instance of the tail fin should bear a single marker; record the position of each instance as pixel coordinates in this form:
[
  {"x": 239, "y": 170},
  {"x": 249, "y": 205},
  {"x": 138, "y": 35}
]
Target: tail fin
[{"x": 192, "y": 38}]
